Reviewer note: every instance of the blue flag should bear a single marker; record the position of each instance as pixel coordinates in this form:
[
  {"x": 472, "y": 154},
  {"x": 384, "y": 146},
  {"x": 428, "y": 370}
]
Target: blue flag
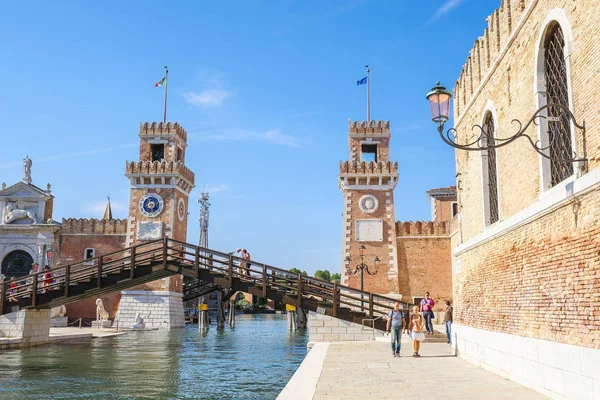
[{"x": 362, "y": 81}]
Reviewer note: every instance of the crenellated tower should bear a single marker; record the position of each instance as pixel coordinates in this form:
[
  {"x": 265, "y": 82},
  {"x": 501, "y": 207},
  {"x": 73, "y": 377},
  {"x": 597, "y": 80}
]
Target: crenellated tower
[
  {"x": 367, "y": 182},
  {"x": 160, "y": 185}
]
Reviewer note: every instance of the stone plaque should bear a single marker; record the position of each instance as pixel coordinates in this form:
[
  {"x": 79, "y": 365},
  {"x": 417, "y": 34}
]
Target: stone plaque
[
  {"x": 149, "y": 230},
  {"x": 369, "y": 230},
  {"x": 321, "y": 310}
]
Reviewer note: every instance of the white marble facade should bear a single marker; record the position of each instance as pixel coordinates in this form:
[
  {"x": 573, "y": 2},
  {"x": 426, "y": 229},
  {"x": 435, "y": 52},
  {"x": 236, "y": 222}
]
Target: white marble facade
[{"x": 22, "y": 224}]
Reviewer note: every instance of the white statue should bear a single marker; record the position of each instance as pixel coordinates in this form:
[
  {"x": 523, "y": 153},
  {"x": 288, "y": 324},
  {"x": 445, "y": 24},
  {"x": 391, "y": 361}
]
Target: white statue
[
  {"x": 27, "y": 169},
  {"x": 58, "y": 311},
  {"x": 139, "y": 322},
  {"x": 13, "y": 213},
  {"x": 101, "y": 313}
]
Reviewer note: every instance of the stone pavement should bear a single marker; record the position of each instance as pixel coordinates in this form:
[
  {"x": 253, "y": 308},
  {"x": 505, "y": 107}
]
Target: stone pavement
[{"x": 362, "y": 370}]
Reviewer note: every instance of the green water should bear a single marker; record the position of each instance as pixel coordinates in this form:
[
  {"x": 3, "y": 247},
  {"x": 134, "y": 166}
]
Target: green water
[{"x": 254, "y": 360}]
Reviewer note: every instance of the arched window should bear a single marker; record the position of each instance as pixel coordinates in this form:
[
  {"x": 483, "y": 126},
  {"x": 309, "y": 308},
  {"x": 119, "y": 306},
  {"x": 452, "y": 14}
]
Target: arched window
[
  {"x": 490, "y": 173},
  {"x": 557, "y": 92}
]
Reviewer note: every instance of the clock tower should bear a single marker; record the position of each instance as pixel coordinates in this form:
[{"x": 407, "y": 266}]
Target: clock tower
[
  {"x": 367, "y": 182},
  {"x": 160, "y": 185}
]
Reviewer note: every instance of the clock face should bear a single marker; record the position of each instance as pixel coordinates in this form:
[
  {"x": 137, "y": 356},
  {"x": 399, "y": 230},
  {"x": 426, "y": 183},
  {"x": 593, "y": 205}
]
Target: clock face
[
  {"x": 151, "y": 205},
  {"x": 181, "y": 209}
]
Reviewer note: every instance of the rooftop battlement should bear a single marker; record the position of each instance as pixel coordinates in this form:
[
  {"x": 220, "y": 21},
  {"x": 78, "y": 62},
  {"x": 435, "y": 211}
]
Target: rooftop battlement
[
  {"x": 486, "y": 50},
  {"x": 363, "y": 167},
  {"x": 93, "y": 226},
  {"x": 369, "y": 127},
  {"x": 160, "y": 128},
  {"x": 423, "y": 228},
  {"x": 159, "y": 168}
]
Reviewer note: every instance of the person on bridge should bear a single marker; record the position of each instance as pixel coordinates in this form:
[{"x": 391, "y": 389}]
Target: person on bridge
[
  {"x": 416, "y": 327},
  {"x": 13, "y": 290},
  {"x": 247, "y": 262},
  {"x": 397, "y": 323}
]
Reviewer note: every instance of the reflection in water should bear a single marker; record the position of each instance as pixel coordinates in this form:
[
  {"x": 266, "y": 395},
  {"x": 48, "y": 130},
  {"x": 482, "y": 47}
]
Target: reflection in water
[{"x": 254, "y": 360}]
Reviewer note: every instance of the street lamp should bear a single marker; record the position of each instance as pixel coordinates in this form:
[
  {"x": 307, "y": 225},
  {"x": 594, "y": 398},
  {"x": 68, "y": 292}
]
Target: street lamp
[
  {"x": 439, "y": 100},
  {"x": 362, "y": 267}
]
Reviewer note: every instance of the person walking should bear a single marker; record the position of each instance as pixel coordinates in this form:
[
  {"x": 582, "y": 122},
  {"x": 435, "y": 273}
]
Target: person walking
[
  {"x": 416, "y": 327},
  {"x": 396, "y": 322},
  {"x": 13, "y": 290},
  {"x": 448, "y": 321},
  {"x": 427, "y": 310},
  {"x": 48, "y": 278}
]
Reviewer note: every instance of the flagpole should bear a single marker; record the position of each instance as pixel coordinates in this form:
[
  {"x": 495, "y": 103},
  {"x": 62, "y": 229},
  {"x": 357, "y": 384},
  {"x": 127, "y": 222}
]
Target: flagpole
[
  {"x": 368, "y": 93},
  {"x": 166, "y": 90}
]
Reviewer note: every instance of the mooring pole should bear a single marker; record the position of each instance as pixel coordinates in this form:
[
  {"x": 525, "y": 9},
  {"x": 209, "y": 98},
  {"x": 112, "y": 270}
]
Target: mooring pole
[
  {"x": 203, "y": 315},
  {"x": 220, "y": 310},
  {"x": 301, "y": 318},
  {"x": 232, "y": 312}
]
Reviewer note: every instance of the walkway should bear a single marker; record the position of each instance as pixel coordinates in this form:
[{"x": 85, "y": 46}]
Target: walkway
[{"x": 363, "y": 370}]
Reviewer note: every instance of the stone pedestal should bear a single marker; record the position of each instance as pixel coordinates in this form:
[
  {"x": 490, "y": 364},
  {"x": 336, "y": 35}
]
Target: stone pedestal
[
  {"x": 59, "y": 322},
  {"x": 31, "y": 326},
  {"x": 323, "y": 328},
  {"x": 101, "y": 324},
  {"x": 159, "y": 309}
]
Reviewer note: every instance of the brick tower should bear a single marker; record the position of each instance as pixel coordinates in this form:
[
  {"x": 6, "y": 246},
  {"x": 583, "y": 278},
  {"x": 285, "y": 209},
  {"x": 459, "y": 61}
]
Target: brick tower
[
  {"x": 367, "y": 182},
  {"x": 160, "y": 185}
]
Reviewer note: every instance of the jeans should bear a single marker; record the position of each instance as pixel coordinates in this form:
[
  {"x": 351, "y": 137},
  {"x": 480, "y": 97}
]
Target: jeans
[
  {"x": 428, "y": 324},
  {"x": 449, "y": 331},
  {"x": 396, "y": 332}
]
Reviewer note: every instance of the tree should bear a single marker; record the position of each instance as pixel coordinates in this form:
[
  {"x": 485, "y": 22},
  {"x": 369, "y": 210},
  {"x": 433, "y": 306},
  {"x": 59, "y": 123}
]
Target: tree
[
  {"x": 324, "y": 275},
  {"x": 336, "y": 277},
  {"x": 297, "y": 271}
]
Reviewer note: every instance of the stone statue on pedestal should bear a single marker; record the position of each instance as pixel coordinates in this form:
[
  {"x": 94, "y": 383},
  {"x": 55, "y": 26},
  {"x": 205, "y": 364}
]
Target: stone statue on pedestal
[
  {"x": 101, "y": 313},
  {"x": 27, "y": 169},
  {"x": 139, "y": 322}
]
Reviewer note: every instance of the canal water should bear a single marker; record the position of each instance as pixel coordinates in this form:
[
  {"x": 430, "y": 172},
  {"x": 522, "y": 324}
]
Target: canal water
[{"x": 254, "y": 360}]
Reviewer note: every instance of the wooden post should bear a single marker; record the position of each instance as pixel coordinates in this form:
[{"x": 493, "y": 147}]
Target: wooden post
[
  {"x": 2, "y": 297},
  {"x": 132, "y": 263},
  {"x": 34, "y": 289},
  {"x": 370, "y": 305},
  {"x": 232, "y": 312},
  {"x": 67, "y": 279},
  {"x": 264, "y": 281},
  {"x": 230, "y": 272},
  {"x": 165, "y": 252},
  {"x": 299, "y": 299},
  {"x": 335, "y": 299},
  {"x": 197, "y": 261},
  {"x": 100, "y": 262}
]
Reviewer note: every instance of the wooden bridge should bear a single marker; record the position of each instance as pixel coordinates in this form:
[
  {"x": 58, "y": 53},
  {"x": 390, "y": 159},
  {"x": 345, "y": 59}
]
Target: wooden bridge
[{"x": 210, "y": 269}]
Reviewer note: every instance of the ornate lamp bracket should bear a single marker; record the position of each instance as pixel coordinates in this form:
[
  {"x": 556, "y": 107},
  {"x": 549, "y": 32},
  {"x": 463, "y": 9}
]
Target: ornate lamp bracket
[{"x": 480, "y": 140}]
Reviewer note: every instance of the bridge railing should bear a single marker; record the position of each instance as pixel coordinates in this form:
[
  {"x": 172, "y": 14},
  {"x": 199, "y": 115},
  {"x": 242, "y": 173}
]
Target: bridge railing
[{"x": 166, "y": 253}]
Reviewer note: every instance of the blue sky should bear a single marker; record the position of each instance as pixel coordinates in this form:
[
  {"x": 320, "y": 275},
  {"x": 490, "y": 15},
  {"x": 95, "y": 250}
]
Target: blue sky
[{"x": 264, "y": 89}]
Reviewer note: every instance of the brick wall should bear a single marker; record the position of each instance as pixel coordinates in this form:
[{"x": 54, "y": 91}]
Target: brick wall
[{"x": 541, "y": 280}]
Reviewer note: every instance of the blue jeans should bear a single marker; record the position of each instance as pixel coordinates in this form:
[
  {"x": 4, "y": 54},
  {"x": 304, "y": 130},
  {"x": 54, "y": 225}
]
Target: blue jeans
[
  {"x": 428, "y": 324},
  {"x": 396, "y": 332},
  {"x": 449, "y": 331}
]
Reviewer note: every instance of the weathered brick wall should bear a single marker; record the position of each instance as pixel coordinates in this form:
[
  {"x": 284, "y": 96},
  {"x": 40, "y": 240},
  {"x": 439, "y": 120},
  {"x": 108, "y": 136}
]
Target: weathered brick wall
[
  {"x": 510, "y": 87},
  {"x": 87, "y": 308},
  {"x": 424, "y": 264},
  {"x": 72, "y": 247},
  {"x": 541, "y": 280},
  {"x": 443, "y": 208}
]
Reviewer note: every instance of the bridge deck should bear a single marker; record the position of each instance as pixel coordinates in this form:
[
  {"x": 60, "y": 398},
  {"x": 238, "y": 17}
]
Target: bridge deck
[{"x": 210, "y": 269}]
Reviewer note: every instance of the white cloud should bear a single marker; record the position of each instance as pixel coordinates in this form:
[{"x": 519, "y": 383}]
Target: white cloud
[
  {"x": 215, "y": 188},
  {"x": 445, "y": 9},
  {"x": 207, "y": 98},
  {"x": 275, "y": 136},
  {"x": 99, "y": 150}
]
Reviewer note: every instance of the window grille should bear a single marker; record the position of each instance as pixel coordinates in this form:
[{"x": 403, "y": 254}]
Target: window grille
[
  {"x": 492, "y": 179},
  {"x": 559, "y": 127}
]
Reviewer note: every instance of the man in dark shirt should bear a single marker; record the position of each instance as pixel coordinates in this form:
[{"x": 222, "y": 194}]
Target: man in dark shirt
[{"x": 448, "y": 321}]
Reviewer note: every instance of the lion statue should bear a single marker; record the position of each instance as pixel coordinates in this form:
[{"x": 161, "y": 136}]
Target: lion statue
[
  {"x": 12, "y": 213},
  {"x": 101, "y": 313},
  {"x": 139, "y": 322},
  {"x": 58, "y": 311}
]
